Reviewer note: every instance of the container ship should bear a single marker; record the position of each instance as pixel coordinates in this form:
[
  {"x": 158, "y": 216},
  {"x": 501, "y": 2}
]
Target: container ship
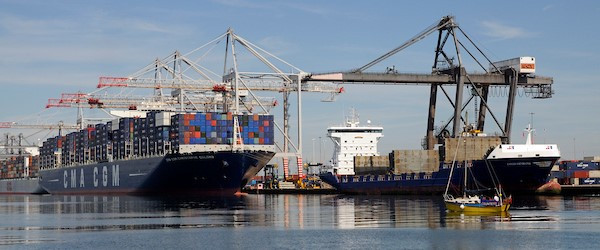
[
  {"x": 158, "y": 153},
  {"x": 358, "y": 168},
  {"x": 18, "y": 174}
]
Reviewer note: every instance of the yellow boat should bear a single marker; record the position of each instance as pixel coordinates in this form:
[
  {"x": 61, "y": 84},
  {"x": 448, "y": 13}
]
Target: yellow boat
[{"x": 475, "y": 205}]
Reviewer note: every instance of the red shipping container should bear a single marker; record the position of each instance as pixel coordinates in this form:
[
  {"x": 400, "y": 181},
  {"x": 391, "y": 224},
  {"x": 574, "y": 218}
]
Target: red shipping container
[
  {"x": 266, "y": 123},
  {"x": 229, "y": 116},
  {"x": 208, "y": 116},
  {"x": 261, "y": 140},
  {"x": 581, "y": 174},
  {"x": 196, "y": 134},
  {"x": 213, "y": 123},
  {"x": 255, "y": 117},
  {"x": 250, "y": 134},
  {"x": 261, "y": 129},
  {"x": 186, "y": 140}
]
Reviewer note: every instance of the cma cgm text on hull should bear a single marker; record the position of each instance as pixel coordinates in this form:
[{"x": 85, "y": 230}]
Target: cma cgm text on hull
[{"x": 162, "y": 153}]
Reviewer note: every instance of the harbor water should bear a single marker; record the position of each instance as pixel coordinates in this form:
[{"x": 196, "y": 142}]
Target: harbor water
[{"x": 292, "y": 222}]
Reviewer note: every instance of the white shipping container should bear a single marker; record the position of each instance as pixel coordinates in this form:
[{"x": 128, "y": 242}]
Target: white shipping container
[
  {"x": 523, "y": 65},
  {"x": 592, "y": 158},
  {"x": 164, "y": 119},
  {"x": 594, "y": 174},
  {"x": 115, "y": 124}
]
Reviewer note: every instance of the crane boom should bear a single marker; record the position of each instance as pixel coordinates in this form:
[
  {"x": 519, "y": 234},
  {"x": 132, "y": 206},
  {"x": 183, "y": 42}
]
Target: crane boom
[{"x": 16, "y": 125}]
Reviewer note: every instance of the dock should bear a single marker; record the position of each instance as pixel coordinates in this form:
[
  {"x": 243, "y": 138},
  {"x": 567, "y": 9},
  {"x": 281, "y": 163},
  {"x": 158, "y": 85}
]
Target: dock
[{"x": 580, "y": 189}]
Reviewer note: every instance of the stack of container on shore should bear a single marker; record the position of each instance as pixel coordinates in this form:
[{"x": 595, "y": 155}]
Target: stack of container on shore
[
  {"x": 156, "y": 134},
  {"x": 577, "y": 173}
]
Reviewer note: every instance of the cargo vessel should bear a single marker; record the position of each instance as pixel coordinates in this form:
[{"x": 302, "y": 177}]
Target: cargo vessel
[
  {"x": 21, "y": 186},
  {"x": 159, "y": 153},
  {"x": 520, "y": 168},
  {"x": 18, "y": 174}
]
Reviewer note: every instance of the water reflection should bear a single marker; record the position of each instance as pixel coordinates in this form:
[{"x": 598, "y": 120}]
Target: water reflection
[{"x": 99, "y": 213}]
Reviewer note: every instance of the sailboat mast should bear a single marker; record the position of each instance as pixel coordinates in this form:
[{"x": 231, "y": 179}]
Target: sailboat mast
[{"x": 465, "y": 174}]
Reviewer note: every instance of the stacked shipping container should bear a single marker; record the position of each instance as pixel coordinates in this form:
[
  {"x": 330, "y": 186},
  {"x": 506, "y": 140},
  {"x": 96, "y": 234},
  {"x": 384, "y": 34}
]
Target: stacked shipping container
[
  {"x": 371, "y": 164},
  {"x": 415, "y": 161},
  {"x": 468, "y": 148},
  {"x": 577, "y": 173},
  {"x": 156, "y": 134},
  {"x": 14, "y": 167},
  {"x": 218, "y": 128}
]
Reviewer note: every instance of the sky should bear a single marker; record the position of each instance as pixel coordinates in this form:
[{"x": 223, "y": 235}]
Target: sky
[{"x": 53, "y": 47}]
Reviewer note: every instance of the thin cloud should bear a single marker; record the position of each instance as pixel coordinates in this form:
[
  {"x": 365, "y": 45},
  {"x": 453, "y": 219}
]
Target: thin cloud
[
  {"x": 307, "y": 8},
  {"x": 503, "y": 32},
  {"x": 242, "y": 4},
  {"x": 312, "y": 9},
  {"x": 548, "y": 7},
  {"x": 27, "y": 26},
  {"x": 277, "y": 45}
]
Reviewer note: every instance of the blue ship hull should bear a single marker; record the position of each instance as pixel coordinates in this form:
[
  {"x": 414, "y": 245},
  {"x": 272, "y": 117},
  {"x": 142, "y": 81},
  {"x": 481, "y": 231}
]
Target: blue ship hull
[
  {"x": 200, "y": 173},
  {"x": 523, "y": 175}
]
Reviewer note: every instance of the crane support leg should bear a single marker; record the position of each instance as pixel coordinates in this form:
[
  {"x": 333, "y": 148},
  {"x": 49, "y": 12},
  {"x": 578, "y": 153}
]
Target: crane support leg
[
  {"x": 482, "y": 108},
  {"x": 460, "y": 82},
  {"x": 286, "y": 131},
  {"x": 511, "y": 78},
  {"x": 431, "y": 117}
]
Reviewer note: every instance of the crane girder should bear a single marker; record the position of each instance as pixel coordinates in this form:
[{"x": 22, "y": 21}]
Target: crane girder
[
  {"x": 422, "y": 79},
  {"x": 148, "y": 103},
  {"x": 16, "y": 125}
]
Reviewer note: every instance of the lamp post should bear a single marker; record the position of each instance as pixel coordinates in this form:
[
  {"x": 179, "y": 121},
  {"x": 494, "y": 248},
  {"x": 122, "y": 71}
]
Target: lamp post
[
  {"x": 320, "y": 150},
  {"x": 313, "y": 149}
]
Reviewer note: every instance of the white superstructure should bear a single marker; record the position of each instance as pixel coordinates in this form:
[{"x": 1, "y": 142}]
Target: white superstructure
[
  {"x": 351, "y": 140},
  {"x": 527, "y": 150}
]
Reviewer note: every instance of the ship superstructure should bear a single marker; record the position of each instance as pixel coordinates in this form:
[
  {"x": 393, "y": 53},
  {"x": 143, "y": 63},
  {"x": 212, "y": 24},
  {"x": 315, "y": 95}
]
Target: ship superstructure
[
  {"x": 527, "y": 150},
  {"x": 350, "y": 140}
]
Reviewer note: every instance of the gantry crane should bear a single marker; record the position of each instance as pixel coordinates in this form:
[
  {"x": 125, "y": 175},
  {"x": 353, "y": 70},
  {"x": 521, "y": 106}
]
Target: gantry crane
[
  {"x": 191, "y": 102},
  {"x": 190, "y": 81},
  {"x": 15, "y": 145},
  {"x": 447, "y": 71}
]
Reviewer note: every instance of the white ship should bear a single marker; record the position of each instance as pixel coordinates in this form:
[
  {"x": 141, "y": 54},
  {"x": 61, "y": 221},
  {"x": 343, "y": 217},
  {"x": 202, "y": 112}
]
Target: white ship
[{"x": 351, "y": 139}]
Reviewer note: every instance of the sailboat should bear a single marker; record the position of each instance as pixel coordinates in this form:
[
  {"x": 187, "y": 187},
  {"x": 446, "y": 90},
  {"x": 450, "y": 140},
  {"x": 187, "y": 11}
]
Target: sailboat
[{"x": 471, "y": 201}]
